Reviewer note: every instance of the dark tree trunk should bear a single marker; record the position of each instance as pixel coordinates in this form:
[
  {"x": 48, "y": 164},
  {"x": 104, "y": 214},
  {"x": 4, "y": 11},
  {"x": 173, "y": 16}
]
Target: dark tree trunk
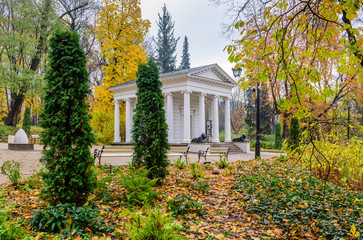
[{"x": 12, "y": 118}]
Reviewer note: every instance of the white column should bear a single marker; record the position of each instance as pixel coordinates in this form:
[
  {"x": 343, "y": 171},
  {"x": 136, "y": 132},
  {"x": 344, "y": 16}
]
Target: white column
[
  {"x": 186, "y": 116},
  {"x": 117, "y": 138},
  {"x": 215, "y": 119},
  {"x": 202, "y": 113},
  {"x": 169, "y": 116},
  {"x": 227, "y": 120},
  {"x": 128, "y": 120}
]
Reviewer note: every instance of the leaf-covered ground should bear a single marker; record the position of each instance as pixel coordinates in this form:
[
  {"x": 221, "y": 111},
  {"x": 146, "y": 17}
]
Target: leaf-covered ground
[{"x": 250, "y": 200}]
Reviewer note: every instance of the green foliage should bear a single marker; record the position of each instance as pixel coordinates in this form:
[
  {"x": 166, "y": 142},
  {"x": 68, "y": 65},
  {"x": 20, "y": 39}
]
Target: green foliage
[
  {"x": 292, "y": 199},
  {"x": 26, "y": 122},
  {"x": 294, "y": 134},
  {"x": 9, "y": 229},
  {"x": 139, "y": 187},
  {"x": 200, "y": 186},
  {"x": 68, "y": 220},
  {"x": 179, "y": 163},
  {"x": 196, "y": 171},
  {"x": 166, "y": 43},
  {"x": 278, "y": 136},
  {"x": 183, "y": 205},
  {"x": 154, "y": 225},
  {"x": 222, "y": 162},
  {"x": 149, "y": 132},
  {"x": 67, "y": 136},
  {"x": 11, "y": 169},
  {"x": 185, "y": 62}
]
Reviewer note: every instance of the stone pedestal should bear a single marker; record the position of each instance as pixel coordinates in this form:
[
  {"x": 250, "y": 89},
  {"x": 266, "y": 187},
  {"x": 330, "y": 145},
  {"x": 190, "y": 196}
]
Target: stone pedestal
[
  {"x": 244, "y": 146},
  {"x": 21, "y": 142}
]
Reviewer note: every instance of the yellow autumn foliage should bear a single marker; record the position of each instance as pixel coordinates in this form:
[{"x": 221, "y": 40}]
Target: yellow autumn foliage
[{"x": 120, "y": 30}]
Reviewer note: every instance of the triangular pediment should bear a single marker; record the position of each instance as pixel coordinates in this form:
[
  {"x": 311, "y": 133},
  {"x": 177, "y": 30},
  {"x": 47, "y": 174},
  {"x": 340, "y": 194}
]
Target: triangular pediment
[{"x": 213, "y": 72}]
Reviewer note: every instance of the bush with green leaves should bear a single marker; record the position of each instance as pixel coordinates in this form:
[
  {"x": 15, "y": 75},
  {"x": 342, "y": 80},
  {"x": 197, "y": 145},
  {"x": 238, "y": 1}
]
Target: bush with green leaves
[
  {"x": 153, "y": 225},
  {"x": 27, "y": 122},
  {"x": 200, "y": 186},
  {"x": 278, "y": 136},
  {"x": 222, "y": 162},
  {"x": 196, "y": 171},
  {"x": 183, "y": 205},
  {"x": 149, "y": 132},
  {"x": 294, "y": 134},
  {"x": 11, "y": 170},
  {"x": 179, "y": 163},
  {"x": 68, "y": 220},
  {"x": 139, "y": 188},
  {"x": 67, "y": 137}
]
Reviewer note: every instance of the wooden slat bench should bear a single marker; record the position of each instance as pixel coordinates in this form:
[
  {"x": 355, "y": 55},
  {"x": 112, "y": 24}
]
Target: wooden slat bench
[
  {"x": 213, "y": 151},
  {"x": 113, "y": 151},
  {"x": 179, "y": 151}
]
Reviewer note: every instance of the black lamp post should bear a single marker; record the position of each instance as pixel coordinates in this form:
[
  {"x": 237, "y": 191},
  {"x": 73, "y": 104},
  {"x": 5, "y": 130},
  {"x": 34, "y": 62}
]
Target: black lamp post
[{"x": 237, "y": 74}]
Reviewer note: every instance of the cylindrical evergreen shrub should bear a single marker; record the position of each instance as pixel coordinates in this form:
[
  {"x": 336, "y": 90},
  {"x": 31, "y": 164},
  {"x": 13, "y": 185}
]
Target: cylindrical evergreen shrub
[
  {"x": 278, "y": 137},
  {"x": 149, "y": 132},
  {"x": 67, "y": 136},
  {"x": 294, "y": 134},
  {"x": 26, "y": 122}
]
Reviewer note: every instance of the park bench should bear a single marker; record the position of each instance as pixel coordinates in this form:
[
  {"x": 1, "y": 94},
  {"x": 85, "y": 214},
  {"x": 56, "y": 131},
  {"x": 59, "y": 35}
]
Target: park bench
[
  {"x": 213, "y": 151},
  {"x": 113, "y": 151},
  {"x": 179, "y": 151}
]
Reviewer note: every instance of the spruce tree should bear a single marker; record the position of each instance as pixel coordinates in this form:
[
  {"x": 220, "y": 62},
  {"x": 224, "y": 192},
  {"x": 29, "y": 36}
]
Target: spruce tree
[
  {"x": 278, "y": 137},
  {"x": 166, "y": 43},
  {"x": 294, "y": 134},
  {"x": 149, "y": 132},
  {"x": 67, "y": 136},
  {"x": 185, "y": 62},
  {"x": 26, "y": 122}
]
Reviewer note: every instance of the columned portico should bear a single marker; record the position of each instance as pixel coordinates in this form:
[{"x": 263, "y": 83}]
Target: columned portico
[
  {"x": 215, "y": 137},
  {"x": 186, "y": 136},
  {"x": 117, "y": 138},
  {"x": 185, "y": 94}
]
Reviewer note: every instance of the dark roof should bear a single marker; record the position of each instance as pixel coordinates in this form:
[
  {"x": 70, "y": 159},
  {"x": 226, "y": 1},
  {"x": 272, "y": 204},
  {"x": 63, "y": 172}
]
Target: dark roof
[{"x": 184, "y": 71}]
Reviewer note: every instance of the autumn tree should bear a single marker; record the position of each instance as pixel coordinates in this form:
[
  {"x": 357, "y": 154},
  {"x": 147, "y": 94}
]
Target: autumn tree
[
  {"x": 150, "y": 131},
  {"x": 24, "y": 26},
  {"x": 67, "y": 136},
  {"x": 185, "y": 61},
  {"x": 166, "y": 43},
  {"x": 120, "y": 30}
]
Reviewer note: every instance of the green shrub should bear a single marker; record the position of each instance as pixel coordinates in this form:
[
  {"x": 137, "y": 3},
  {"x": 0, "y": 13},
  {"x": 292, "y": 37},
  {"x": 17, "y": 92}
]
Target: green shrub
[
  {"x": 67, "y": 136},
  {"x": 154, "y": 225},
  {"x": 26, "y": 122},
  {"x": 149, "y": 131},
  {"x": 222, "y": 162},
  {"x": 183, "y": 205},
  {"x": 11, "y": 170},
  {"x": 180, "y": 163},
  {"x": 139, "y": 187},
  {"x": 278, "y": 136},
  {"x": 68, "y": 220},
  {"x": 196, "y": 171},
  {"x": 200, "y": 186},
  {"x": 294, "y": 134}
]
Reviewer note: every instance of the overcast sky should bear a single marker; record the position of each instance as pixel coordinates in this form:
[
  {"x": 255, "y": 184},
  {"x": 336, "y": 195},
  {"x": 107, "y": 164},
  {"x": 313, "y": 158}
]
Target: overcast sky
[{"x": 200, "y": 21}]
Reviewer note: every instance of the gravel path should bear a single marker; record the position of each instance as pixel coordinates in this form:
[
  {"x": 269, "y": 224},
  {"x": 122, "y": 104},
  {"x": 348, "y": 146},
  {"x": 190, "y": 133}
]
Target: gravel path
[{"x": 29, "y": 160}]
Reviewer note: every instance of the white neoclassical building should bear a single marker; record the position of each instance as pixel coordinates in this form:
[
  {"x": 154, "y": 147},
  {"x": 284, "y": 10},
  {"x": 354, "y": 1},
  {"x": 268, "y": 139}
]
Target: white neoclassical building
[{"x": 186, "y": 93}]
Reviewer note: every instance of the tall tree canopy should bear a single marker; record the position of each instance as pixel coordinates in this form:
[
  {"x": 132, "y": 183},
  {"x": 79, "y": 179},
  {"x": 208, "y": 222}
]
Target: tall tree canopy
[
  {"x": 24, "y": 29},
  {"x": 166, "y": 43},
  {"x": 120, "y": 31},
  {"x": 308, "y": 52},
  {"x": 185, "y": 62}
]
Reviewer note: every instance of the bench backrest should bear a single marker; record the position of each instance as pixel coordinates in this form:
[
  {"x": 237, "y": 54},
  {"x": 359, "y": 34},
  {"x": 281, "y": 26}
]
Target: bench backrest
[{"x": 217, "y": 150}]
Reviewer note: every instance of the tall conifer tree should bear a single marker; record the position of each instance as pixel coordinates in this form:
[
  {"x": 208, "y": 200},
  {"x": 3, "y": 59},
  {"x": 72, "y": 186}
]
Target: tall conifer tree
[
  {"x": 149, "y": 132},
  {"x": 166, "y": 43},
  {"x": 185, "y": 62},
  {"x": 67, "y": 135}
]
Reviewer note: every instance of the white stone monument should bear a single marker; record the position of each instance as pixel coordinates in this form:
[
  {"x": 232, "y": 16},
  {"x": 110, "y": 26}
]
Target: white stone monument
[{"x": 21, "y": 142}]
